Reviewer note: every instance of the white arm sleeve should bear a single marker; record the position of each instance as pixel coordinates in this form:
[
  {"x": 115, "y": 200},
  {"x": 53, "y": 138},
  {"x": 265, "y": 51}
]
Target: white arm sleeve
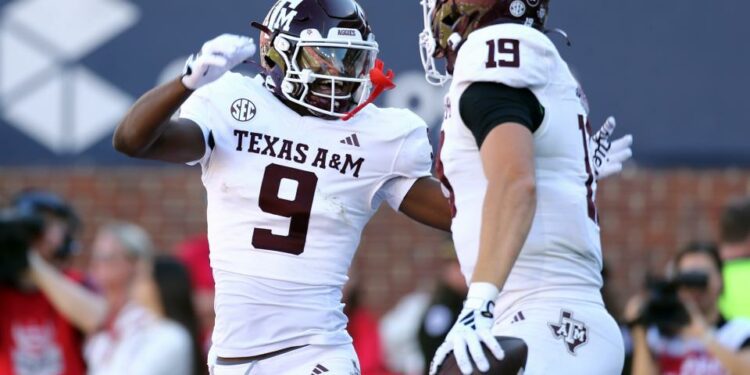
[
  {"x": 413, "y": 161},
  {"x": 199, "y": 109}
]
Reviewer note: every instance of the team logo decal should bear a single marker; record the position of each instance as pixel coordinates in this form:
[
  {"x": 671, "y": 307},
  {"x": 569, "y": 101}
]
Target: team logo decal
[
  {"x": 574, "y": 333},
  {"x": 517, "y": 8},
  {"x": 243, "y": 110},
  {"x": 282, "y": 14}
]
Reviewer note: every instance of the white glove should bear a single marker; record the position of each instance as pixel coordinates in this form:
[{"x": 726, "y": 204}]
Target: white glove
[
  {"x": 472, "y": 328},
  {"x": 609, "y": 156},
  {"x": 217, "y": 57}
]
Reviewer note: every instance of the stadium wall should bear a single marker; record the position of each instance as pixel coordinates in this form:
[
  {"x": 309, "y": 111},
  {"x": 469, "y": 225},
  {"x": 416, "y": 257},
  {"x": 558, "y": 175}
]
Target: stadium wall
[{"x": 645, "y": 216}]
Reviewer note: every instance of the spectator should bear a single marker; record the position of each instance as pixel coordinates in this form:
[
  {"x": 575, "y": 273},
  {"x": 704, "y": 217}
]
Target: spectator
[
  {"x": 160, "y": 336},
  {"x": 735, "y": 251},
  {"x": 399, "y": 329},
  {"x": 117, "y": 251},
  {"x": 707, "y": 343},
  {"x": 363, "y": 328},
  {"x": 36, "y": 335},
  {"x": 445, "y": 305},
  {"x": 193, "y": 253}
]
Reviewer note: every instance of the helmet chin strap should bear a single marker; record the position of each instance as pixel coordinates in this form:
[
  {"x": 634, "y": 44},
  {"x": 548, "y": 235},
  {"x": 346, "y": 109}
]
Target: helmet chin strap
[{"x": 381, "y": 82}]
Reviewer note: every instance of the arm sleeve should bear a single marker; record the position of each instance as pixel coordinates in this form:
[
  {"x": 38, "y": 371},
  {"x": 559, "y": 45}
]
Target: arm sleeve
[
  {"x": 413, "y": 161},
  {"x": 486, "y": 105},
  {"x": 199, "y": 109}
]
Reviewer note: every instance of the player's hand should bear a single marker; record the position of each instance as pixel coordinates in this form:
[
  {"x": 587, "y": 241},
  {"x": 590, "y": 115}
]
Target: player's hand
[
  {"x": 609, "y": 156},
  {"x": 217, "y": 57},
  {"x": 472, "y": 329}
]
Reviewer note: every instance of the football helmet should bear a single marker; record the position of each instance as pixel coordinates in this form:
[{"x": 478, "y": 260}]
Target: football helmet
[
  {"x": 318, "y": 54},
  {"x": 447, "y": 24}
]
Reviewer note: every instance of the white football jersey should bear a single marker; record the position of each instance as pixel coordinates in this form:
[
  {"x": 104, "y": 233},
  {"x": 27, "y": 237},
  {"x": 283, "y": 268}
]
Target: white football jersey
[
  {"x": 288, "y": 197},
  {"x": 562, "y": 254}
]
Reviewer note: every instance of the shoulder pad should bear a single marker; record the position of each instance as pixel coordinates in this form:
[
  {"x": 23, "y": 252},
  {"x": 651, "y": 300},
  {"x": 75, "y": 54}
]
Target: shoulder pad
[{"x": 515, "y": 55}]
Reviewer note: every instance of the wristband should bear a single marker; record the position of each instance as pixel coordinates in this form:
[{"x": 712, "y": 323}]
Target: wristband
[{"x": 479, "y": 293}]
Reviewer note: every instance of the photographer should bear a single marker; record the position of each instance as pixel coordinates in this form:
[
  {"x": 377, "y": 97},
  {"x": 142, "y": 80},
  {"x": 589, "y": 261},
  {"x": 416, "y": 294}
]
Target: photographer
[
  {"x": 676, "y": 326},
  {"x": 38, "y": 330}
]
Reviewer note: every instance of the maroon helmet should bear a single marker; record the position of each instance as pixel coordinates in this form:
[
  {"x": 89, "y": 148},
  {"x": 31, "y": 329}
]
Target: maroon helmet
[
  {"x": 447, "y": 24},
  {"x": 318, "y": 54}
]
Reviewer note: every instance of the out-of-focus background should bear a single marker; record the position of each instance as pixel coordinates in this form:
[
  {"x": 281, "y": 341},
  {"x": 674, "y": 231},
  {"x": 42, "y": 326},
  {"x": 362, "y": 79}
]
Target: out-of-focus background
[{"x": 673, "y": 73}]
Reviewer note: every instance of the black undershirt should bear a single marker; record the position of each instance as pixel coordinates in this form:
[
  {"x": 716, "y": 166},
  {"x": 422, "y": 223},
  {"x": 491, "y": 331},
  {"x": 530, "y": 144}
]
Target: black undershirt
[{"x": 486, "y": 105}]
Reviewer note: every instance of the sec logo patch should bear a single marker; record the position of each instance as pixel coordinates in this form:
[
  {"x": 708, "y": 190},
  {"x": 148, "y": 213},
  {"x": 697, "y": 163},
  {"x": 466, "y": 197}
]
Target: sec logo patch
[{"x": 243, "y": 110}]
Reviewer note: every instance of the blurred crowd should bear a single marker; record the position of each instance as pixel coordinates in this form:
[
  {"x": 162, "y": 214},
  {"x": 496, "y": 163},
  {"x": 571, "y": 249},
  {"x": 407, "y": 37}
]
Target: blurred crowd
[{"x": 136, "y": 311}]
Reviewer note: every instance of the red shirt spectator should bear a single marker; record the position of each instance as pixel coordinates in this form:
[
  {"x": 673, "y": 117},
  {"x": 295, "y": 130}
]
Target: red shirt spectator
[
  {"x": 363, "y": 328},
  {"x": 193, "y": 253},
  {"x": 35, "y": 339}
]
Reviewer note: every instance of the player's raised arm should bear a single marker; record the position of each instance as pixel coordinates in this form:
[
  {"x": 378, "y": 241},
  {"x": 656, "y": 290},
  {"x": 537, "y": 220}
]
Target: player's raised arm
[{"x": 147, "y": 131}]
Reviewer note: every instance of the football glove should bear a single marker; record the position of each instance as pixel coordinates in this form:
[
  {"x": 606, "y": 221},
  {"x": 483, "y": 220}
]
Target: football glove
[
  {"x": 609, "y": 156},
  {"x": 471, "y": 330},
  {"x": 217, "y": 57}
]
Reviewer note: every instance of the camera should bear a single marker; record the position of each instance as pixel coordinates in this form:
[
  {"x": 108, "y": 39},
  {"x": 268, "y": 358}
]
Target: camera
[
  {"x": 663, "y": 308},
  {"x": 17, "y": 231}
]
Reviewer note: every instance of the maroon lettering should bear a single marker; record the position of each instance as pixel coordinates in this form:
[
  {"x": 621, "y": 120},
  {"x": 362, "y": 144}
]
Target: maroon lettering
[
  {"x": 270, "y": 143},
  {"x": 241, "y": 135},
  {"x": 254, "y": 140},
  {"x": 320, "y": 158},
  {"x": 349, "y": 163},
  {"x": 301, "y": 156},
  {"x": 297, "y": 210},
  {"x": 286, "y": 150},
  {"x": 585, "y": 127},
  {"x": 509, "y": 51}
]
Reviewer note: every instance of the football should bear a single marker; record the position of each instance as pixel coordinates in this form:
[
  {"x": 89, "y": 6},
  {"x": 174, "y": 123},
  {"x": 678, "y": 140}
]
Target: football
[{"x": 513, "y": 363}]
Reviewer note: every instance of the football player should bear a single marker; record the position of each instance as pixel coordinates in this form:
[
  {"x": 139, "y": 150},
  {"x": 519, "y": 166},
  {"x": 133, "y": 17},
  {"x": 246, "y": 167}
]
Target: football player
[
  {"x": 289, "y": 185},
  {"x": 519, "y": 161}
]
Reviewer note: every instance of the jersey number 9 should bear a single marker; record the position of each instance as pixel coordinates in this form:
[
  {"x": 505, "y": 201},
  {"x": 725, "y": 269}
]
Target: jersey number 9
[{"x": 297, "y": 210}]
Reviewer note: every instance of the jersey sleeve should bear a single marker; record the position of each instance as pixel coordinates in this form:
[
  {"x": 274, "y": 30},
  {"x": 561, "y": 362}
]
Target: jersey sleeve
[
  {"x": 413, "y": 161},
  {"x": 514, "y": 55},
  {"x": 199, "y": 109}
]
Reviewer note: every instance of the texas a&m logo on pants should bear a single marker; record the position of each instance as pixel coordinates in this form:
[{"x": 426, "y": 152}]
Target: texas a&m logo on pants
[{"x": 574, "y": 333}]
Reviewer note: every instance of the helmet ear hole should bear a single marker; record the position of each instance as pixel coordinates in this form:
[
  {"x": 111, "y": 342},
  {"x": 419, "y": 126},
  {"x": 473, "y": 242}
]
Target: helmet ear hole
[
  {"x": 269, "y": 62},
  {"x": 450, "y": 19}
]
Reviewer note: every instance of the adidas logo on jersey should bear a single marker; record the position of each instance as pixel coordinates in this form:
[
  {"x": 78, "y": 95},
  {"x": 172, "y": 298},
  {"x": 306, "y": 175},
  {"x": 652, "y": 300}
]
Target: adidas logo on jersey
[
  {"x": 351, "y": 140},
  {"x": 319, "y": 369}
]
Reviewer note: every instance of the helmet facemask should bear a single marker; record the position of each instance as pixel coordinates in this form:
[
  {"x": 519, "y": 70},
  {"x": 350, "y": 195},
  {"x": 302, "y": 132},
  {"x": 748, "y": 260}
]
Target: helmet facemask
[
  {"x": 446, "y": 26},
  {"x": 328, "y": 76},
  {"x": 429, "y": 49}
]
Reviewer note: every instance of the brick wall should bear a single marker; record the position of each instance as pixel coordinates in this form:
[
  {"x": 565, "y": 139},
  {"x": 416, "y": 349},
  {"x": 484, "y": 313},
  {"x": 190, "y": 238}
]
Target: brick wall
[{"x": 645, "y": 216}]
